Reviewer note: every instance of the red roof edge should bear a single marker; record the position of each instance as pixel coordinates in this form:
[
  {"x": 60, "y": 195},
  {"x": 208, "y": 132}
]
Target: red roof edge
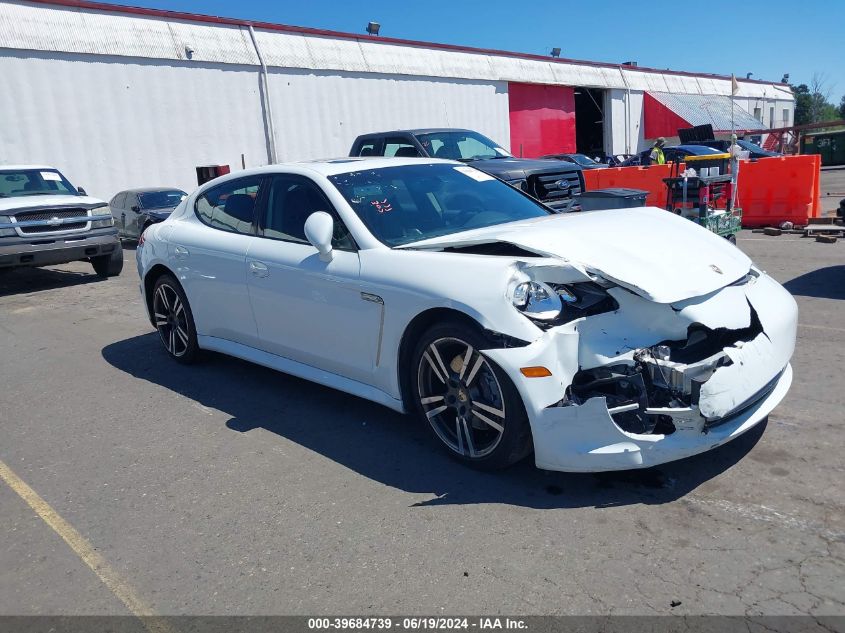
[{"x": 377, "y": 39}]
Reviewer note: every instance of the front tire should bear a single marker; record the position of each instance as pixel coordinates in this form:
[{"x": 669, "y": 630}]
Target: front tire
[
  {"x": 468, "y": 402},
  {"x": 174, "y": 320},
  {"x": 109, "y": 265}
]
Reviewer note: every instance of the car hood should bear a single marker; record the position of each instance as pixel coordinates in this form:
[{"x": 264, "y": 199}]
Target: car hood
[
  {"x": 36, "y": 202},
  {"x": 654, "y": 253},
  {"x": 519, "y": 168}
]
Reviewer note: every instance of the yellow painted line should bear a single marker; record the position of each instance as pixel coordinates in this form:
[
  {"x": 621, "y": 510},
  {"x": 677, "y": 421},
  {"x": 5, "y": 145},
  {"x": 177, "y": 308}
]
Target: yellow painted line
[{"x": 82, "y": 548}]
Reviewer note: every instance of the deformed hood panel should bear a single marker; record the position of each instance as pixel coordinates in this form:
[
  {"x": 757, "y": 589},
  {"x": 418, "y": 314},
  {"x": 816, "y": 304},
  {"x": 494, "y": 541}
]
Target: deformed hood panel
[{"x": 662, "y": 257}]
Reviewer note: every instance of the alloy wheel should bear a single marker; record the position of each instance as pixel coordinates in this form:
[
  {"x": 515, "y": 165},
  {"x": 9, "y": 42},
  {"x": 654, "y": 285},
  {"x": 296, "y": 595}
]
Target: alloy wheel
[
  {"x": 171, "y": 320},
  {"x": 461, "y": 397}
]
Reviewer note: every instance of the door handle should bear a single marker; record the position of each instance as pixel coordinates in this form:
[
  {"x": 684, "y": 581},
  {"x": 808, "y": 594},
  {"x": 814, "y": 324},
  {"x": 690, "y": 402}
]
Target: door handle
[
  {"x": 181, "y": 252},
  {"x": 258, "y": 269}
]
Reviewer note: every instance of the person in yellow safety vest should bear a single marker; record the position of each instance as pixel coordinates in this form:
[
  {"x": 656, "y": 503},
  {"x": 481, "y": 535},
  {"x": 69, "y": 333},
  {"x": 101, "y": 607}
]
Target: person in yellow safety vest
[{"x": 656, "y": 156}]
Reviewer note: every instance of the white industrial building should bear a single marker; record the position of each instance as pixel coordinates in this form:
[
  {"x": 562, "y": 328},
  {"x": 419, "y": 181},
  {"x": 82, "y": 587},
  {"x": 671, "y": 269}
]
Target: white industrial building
[{"x": 121, "y": 97}]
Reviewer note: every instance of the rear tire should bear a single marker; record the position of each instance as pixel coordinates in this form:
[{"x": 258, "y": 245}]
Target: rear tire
[
  {"x": 174, "y": 320},
  {"x": 109, "y": 265},
  {"x": 470, "y": 404}
]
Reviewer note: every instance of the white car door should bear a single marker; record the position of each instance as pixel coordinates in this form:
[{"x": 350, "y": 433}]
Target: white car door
[
  {"x": 210, "y": 259},
  {"x": 306, "y": 309}
]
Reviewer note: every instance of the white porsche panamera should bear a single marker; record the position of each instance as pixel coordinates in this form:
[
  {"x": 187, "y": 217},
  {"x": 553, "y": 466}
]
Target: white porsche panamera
[{"x": 601, "y": 341}]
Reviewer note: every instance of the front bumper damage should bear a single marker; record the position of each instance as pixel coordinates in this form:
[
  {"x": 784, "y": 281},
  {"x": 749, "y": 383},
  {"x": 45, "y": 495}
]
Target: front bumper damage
[{"x": 652, "y": 383}]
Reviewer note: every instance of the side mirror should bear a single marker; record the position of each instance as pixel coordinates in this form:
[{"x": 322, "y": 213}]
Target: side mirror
[
  {"x": 319, "y": 229},
  {"x": 136, "y": 208},
  {"x": 81, "y": 191}
]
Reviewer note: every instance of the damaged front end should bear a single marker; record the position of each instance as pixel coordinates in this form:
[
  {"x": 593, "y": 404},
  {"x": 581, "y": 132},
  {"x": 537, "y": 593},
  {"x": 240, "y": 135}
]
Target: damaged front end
[
  {"x": 637, "y": 383},
  {"x": 659, "y": 390}
]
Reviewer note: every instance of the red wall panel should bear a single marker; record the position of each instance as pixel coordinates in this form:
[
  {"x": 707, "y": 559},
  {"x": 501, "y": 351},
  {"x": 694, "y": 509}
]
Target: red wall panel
[
  {"x": 542, "y": 119},
  {"x": 660, "y": 120}
]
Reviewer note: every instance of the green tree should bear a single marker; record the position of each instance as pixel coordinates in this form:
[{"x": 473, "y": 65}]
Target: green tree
[
  {"x": 842, "y": 108},
  {"x": 803, "y": 104},
  {"x": 811, "y": 102}
]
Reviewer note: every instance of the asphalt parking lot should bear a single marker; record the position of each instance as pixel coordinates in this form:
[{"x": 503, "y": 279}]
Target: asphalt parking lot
[{"x": 226, "y": 488}]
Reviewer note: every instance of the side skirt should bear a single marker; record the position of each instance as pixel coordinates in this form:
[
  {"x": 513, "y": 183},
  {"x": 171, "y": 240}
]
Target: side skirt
[{"x": 300, "y": 370}]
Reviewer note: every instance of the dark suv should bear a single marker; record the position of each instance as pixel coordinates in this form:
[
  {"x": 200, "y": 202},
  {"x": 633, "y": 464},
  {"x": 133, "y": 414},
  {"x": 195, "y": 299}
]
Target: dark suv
[{"x": 552, "y": 182}]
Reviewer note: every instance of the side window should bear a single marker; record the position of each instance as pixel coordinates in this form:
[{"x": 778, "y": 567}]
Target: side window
[
  {"x": 131, "y": 201},
  {"x": 470, "y": 147},
  {"x": 368, "y": 148},
  {"x": 291, "y": 200},
  {"x": 230, "y": 206},
  {"x": 399, "y": 147}
]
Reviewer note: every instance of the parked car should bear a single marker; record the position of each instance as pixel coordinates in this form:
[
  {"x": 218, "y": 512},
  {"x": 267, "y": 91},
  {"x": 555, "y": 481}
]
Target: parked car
[
  {"x": 754, "y": 151},
  {"x": 605, "y": 340},
  {"x": 550, "y": 182},
  {"x": 45, "y": 220},
  {"x": 136, "y": 209},
  {"x": 618, "y": 160},
  {"x": 673, "y": 154},
  {"x": 582, "y": 160}
]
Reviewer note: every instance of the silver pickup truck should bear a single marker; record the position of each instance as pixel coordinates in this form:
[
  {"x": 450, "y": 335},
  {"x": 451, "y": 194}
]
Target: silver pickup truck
[{"x": 45, "y": 220}]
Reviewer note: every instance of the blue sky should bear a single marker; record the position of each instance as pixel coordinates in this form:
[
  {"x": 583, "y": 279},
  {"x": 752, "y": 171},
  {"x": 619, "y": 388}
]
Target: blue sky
[{"x": 763, "y": 37}]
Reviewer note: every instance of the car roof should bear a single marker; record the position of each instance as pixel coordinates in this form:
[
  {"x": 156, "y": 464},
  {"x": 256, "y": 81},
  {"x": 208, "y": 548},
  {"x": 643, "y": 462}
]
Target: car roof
[
  {"x": 343, "y": 165},
  {"x": 23, "y": 167},
  {"x": 150, "y": 189},
  {"x": 416, "y": 131}
]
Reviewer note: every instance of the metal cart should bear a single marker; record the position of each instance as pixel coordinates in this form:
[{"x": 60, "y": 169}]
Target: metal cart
[{"x": 706, "y": 200}]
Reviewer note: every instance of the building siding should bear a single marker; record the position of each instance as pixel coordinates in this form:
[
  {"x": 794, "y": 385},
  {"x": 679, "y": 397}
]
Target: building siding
[{"x": 118, "y": 99}]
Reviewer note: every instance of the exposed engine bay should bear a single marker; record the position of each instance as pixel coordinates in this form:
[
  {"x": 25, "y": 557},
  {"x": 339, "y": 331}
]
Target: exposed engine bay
[{"x": 659, "y": 391}]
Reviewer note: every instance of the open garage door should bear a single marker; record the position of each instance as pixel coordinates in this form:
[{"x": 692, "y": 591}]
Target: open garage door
[
  {"x": 589, "y": 121},
  {"x": 542, "y": 119}
]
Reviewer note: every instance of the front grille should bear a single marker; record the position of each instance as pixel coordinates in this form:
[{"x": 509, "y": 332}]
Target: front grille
[
  {"x": 50, "y": 214},
  {"x": 547, "y": 187},
  {"x": 46, "y": 228}
]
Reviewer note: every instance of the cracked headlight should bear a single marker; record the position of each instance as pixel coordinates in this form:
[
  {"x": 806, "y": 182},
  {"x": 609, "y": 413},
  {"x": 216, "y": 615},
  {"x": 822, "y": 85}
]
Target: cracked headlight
[
  {"x": 555, "y": 304},
  {"x": 537, "y": 300},
  {"x": 104, "y": 223}
]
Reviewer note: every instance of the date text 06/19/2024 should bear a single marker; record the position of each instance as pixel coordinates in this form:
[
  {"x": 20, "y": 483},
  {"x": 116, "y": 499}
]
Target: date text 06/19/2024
[{"x": 416, "y": 623}]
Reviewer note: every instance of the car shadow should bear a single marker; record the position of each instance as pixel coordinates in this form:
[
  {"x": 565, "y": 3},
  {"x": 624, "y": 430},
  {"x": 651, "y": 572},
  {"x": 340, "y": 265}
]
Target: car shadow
[
  {"x": 396, "y": 450},
  {"x": 824, "y": 283},
  {"x": 29, "y": 280}
]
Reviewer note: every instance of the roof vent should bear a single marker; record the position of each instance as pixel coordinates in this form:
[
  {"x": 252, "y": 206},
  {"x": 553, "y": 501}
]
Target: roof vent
[{"x": 629, "y": 64}]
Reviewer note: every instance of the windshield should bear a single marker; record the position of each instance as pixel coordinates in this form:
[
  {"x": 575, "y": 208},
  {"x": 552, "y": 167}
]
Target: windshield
[
  {"x": 751, "y": 147},
  {"x": 161, "y": 199},
  {"x": 460, "y": 145},
  {"x": 582, "y": 159},
  {"x": 17, "y": 183},
  {"x": 401, "y": 205}
]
